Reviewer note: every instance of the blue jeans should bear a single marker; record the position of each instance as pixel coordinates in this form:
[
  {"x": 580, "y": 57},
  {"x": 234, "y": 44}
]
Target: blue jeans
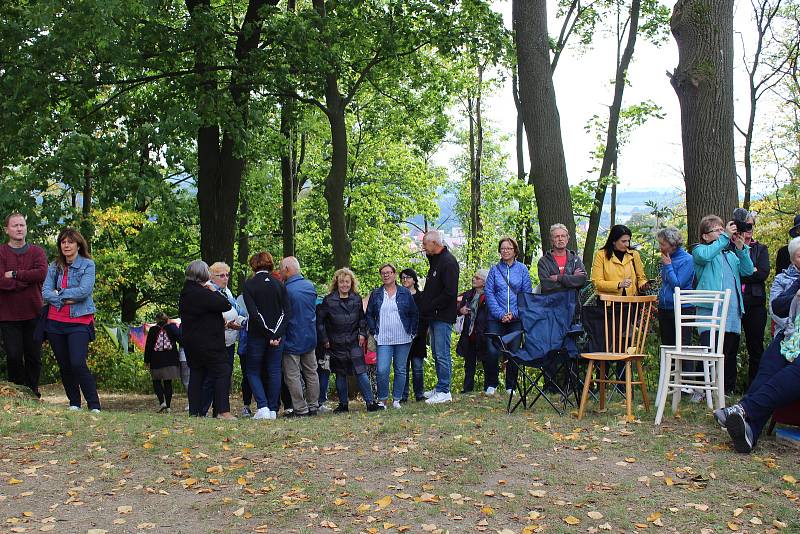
[
  {"x": 417, "y": 376},
  {"x": 324, "y": 379},
  {"x": 261, "y": 354},
  {"x": 493, "y": 354},
  {"x": 440, "y": 332},
  {"x": 363, "y": 385},
  {"x": 388, "y": 355},
  {"x": 774, "y": 385}
]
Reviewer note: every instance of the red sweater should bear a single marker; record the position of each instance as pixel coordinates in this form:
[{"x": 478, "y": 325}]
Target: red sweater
[{"x": 21, "y": 298}]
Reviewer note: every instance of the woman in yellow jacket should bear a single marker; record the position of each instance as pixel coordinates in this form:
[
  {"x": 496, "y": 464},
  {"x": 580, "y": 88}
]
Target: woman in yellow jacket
[{"x": 617, "y": 269}]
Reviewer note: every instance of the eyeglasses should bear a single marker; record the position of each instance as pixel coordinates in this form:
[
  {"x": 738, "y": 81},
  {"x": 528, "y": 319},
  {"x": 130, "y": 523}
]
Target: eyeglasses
[
  {"x": 506, "y": 249},
  {"x": 387, "y": 273},
  {"x": 405, "y": 277},
  {"x": 223, "y": 275},
  {"x": 715, "y": 230}
]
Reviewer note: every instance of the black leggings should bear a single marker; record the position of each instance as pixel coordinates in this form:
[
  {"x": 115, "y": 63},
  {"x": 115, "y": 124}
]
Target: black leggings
[{"x": 163, "y": 389}]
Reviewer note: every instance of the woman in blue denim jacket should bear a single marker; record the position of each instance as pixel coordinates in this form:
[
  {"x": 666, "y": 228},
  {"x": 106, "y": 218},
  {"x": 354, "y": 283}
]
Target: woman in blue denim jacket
[
  {"x": 392, "y": 317},
  {"x": 70, "y": 319}
]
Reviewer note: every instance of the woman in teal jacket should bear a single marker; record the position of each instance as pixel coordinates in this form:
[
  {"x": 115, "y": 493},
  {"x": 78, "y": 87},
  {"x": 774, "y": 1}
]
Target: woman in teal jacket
[{"x": 720, "y": 260}]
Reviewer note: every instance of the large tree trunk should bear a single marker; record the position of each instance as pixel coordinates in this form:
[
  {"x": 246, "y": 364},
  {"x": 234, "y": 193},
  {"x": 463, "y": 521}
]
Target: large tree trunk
[
  {"x": 611, "y": 148},
  {"x": 287, "y": 181},
  {"x": 548, "y": 171},
  {"x": 337, "y": 174},
  {"x": 475, "y": 163},
  {"x": 220, "y": 165},
  {"x": 243, "y": 250},
  {"x": 703, "y": 81},
  {"x": 525, "y": 230}
]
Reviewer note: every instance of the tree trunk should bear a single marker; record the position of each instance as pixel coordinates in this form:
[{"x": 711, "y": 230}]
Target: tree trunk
[
  {"x": 703, "y": 81},
  {"x": 611, "y": 147},
  {"x": 287, "y": 181},
  {"x": 129, "y": 304},
  {"x": 220, "y": 165},
  {"x": 525, "y": 230},
  {"x": 476, "y": 156},
  {"x": 548, "y": 171},
  {"x": 243, "y": 250},
  {"x": 337, "y": 174}
]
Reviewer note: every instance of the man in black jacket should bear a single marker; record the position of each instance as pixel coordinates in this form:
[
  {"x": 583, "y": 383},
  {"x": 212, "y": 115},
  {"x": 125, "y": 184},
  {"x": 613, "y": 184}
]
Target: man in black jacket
[
  {"x": 754, "y": 294},
  {"x": 560, "y": 268},
  {"x": 438, "y": 306}
]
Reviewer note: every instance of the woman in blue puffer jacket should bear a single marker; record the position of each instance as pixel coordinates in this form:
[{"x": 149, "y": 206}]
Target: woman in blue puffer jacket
[{"x": 506, "y": 280}]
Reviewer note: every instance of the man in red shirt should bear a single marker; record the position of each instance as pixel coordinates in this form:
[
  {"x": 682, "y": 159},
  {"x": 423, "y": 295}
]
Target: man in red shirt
[
  {"x": 560, "y": 268},
  {"x": 23, "y": 268}
]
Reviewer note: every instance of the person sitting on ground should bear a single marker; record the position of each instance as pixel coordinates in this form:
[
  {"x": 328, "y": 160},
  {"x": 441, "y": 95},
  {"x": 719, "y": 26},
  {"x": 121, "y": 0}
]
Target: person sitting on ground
[
  {"x": 472, "y": 345},
  {"x": 342, "y": 330},
  {"x": 161, "y": 357},
  {"x": 776, "y": 383},
  {"x": 559, "y": 268}
]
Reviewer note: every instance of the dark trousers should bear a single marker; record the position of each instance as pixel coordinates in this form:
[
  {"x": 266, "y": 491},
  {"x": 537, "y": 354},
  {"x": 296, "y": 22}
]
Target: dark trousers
[
  {"x": 163, "y": 390},
  {"x": 754, "y": 321},
  {"x": 70, "y": 344},
  {"x": 217, "y": 370},
  {"x": 24, "y": 355},
  {"x": 208, "y": 387},
  {"x": 775, "y": 385},
  {"x": 247, "y": 393},
  {"x": 264, "y": 371},
  {"x": 491, "y": 368},
  {"x": 324, "y": 381},
  {"x": 493, "y": 353},
  {"x": 730, "y": 348}
]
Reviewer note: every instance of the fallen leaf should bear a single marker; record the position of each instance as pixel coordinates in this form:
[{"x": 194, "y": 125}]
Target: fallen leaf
[
  {"x": 738, "y": 512},
  {"x": 487, "y": 510},
  {"x": 383, "y": 502},
  {"x": 652, "y": 517},
  {"x": 537, "y": 493},
  {"x": 733, "y": 526},
  {"x": 790, "y": 479},
  {"x": 595, "y": 515},
  {"x": 124, "y": 509},
  {"x": 239, "y": 512},
  {"x": 572, "y": 520}
]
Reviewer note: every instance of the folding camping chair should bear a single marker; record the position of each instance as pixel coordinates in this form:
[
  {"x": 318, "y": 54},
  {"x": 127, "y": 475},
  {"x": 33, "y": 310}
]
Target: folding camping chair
[{"x": 545, "y": 350}]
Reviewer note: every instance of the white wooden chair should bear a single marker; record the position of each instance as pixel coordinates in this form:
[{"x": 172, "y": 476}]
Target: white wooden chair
[{"x": 711, "y": 314}]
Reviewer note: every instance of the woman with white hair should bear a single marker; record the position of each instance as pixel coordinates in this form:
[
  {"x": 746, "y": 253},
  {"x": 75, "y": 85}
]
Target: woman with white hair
[
  {"x": 472, "y": 345},
  {"x": 203, "y": 334},
  {"x": 677, "y": 270}
]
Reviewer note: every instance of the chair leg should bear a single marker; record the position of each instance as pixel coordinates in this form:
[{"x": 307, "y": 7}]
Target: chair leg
[
  {"x": 720, "y": 383},
  {"x": 640, "y": 372},
  {"x": 661, "y": 398},
  {"x": 586, "y": 383},
  {"x": 602, "y": 383},
  {"x": 663, "y": 373},
  {"x": 708, "y": 370},
  {"x": 628, "y": 391},
  {"x": 677, "y": 382},
  {"x": 771, "y": 427}
]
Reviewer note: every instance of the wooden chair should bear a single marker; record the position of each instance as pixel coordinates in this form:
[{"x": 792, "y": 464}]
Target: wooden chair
[{"x": 626, "y": 323}]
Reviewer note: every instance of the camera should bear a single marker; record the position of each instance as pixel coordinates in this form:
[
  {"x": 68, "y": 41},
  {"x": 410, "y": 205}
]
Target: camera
[{"x": 740, "y": 216}]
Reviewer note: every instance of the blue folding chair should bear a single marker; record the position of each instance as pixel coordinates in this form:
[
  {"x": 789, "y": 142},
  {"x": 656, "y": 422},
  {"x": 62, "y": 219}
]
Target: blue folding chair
[{"x": 547, "y": 348}]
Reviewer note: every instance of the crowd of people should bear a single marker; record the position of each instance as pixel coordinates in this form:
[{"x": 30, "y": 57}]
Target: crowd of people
[{"x": 290, "y": 339}]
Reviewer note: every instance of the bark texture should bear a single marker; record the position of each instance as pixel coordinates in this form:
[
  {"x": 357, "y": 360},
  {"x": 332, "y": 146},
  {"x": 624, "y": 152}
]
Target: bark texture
[{"x": 703, "y": 81}]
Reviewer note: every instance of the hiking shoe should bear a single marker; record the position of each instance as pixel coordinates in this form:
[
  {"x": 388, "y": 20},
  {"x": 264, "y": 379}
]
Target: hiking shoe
[
  {"x": 440, "y": 397},
  {"x": 375, "y": 407},
  {"x": 263, "y": 413},
  {"x": 722, "y": 414},
  {"x": 246, "y": 412},
  {"x": 342, "y": 408},
  {"x": 739, "y": 431}
]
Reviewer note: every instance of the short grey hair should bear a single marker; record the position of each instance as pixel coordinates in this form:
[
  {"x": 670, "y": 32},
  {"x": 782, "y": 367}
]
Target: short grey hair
[
  {"x": 434, "y": 236},
  {"x": 671, "y": 236},
  {"x": 197, "y": 271},
  {"x": 794, "y": 244},
  {"x": 482, "y": 273},
  {"x": 558, "y": 226},
  {"x": 290, "y": 263}
]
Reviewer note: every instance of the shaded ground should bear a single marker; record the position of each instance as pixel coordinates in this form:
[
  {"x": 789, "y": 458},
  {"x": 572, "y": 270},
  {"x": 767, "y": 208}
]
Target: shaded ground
[{"x": 463, "y": 467}]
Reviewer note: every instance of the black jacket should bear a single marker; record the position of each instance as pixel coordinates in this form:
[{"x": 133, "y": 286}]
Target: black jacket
[
  {"x": 202, "y": 326},
  {"x": 754, "y": 293},
  {"x": 475, "y": 344},
  {"x": 438, "y": 302},
  {"x": 420, "y": 343},
  {"x": 341, "y": 321},
  {"x": 268, "y": 306},
  {"x": 548, "y": 267},
  {"x": 782, "y": 261},
  {"x": 165, "y": 358}
]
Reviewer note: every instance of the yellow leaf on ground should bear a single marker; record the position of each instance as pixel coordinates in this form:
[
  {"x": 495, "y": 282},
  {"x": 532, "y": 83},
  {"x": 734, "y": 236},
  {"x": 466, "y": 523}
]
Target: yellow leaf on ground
[
  {"x": 147, "y": 445},
  {"x": 738, "y": 512},
  {"x": 363, "y": 508},
  {"x": 13, "y": 481},
  {"x": 572, "y": 520},
  {"x": 239, "y": 512},
  {"x": 214, "y": 469},
  {"x": 779, "y": 524},
  {"x": 487, "y": 510},
  {"x": 338, "y": 501},
  {"x": 652, "y": 517},
  {"x": 537, "y": 493},
  {"x": 124, "y": 509},
  {"x": 383, "y": 502},
  {"x": 733, "y": 526},
  {"x": 790, "y": 479}
]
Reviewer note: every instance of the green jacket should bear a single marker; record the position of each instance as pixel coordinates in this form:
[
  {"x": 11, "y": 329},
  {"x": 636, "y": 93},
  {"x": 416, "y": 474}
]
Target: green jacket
[{"x": 708, "y": 266}]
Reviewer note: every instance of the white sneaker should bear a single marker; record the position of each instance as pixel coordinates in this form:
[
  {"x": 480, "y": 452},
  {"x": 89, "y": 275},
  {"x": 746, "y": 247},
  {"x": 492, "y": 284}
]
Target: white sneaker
[
  {"x": 94, "y": 410},
  {"x": 509, "y": 391},
  {"x": 490, "y": 390},
  {"x": 396, "y": 405},
  {"x": 74, "y": 408},
  {"x": 382, "y": 405},
  {"x": 440, "y": 397},
  {"x": 273, "y": 415},
  {"x": 323, "y": 409},
  {"x": 263, "y": 413},
  {"x": 429, "y": 394},
  {"x": 688, "y": 391}
]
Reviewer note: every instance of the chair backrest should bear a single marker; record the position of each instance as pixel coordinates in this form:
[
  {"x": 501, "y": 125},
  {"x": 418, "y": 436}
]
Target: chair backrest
[
  {"x": 711, "y": 313},
  {"x": 546, "y": 319},
  {"x": 626, "y": 322}
]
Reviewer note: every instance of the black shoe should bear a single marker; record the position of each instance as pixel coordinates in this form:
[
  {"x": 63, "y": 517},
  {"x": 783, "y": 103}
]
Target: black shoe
[
  {"x": 311, "y": 413},
  {"x": 375, "y": 407},
  {"x": 722, "y": 414},
  {"x": 403, "y": 401},
  {"x": 740, "y": 432},
  {"x": 465, "y": 391},
  {"x": 420, "y": 398},
  {"x": 342, "y": 408}
]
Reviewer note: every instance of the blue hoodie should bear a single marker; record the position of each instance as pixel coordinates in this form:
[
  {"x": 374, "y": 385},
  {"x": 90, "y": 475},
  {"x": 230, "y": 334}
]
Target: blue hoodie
[
  {"x": 503, "y": 284},
  {"x": 679, "y": 273}
]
